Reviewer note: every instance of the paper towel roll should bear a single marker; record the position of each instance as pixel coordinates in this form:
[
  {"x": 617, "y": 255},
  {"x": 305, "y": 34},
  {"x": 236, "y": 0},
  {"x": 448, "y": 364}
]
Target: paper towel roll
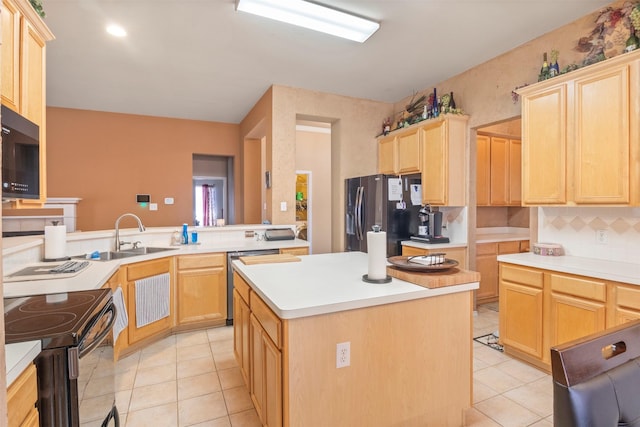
[
  {"x": 55, "y": 242},
  {"x": 377, "y": 251}
]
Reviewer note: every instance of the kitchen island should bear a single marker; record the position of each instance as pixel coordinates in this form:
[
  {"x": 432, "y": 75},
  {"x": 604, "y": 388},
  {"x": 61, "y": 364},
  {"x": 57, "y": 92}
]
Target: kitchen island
[{"x": 409, "y": 356}]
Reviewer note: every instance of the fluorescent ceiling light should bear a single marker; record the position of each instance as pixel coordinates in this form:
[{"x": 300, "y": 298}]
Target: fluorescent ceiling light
[
  {"x": 312, "y": 16},
  {"x": 116, "y": 30}
]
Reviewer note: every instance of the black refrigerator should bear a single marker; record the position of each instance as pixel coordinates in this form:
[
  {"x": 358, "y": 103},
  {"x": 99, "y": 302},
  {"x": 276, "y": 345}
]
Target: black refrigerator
[{"x": 369, "y": 200}]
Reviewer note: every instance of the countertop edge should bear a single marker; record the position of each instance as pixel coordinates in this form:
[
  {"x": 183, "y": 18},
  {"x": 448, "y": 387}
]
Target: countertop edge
[
  {"x": 622, "y": 272},
  {"x": 18, "y": 356}
]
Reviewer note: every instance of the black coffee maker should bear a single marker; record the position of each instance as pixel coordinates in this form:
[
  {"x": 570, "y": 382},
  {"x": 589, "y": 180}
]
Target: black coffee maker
[{"x": 430, "y": 225}]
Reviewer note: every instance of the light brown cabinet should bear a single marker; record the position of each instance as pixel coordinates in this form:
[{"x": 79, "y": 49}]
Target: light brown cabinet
[
  {"x": 577, "y": 307},
  {"x": 521, "y": 310},
  {"x": 498, "y": 171},
  {"x": 201, "y": 289},
  {"x": 23, "y": 53},
  {"x": 458, "y": 254},
  {"x": 241, "y": 322},
  {"x": 142, "y": 270},
  {"x": 258, "y": 347},
  {"x": 22, "y": 396},
  {"x": 543, "y": 308},
  {"x": 625, "y": 306},
  {"x": 399, "y": 153},
  {"x": 295, "y": 251},
  {"x": 487, "y": 266},
  {"x": 444, "y": 157},
  {"x": 579, "y": 136}
]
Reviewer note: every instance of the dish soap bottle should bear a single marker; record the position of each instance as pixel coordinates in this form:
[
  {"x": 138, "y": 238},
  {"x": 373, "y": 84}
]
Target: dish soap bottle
[{"x": 185, "y": 234}]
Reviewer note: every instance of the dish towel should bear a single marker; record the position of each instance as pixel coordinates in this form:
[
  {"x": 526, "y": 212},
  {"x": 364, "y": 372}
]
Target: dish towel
[
  {"x": 152, "y": 299},
  {"x": 122, "y": 320}
]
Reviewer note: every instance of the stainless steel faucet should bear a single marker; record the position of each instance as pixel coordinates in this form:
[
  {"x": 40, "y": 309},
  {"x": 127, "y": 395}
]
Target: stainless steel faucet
[{"x": 140, "y": 227}]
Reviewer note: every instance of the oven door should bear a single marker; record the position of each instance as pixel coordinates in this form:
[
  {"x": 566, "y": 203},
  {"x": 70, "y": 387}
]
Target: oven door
[
  {"x": 76, "y": 385},
  {"x": 95, "y": 379}
]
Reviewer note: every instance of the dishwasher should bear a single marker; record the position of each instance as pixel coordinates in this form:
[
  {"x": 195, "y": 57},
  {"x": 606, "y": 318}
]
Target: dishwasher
[{"x": 232, "y": 256}]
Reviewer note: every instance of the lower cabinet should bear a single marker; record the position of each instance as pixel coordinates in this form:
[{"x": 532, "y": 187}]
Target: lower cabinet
[
  {"x": 241, "y": 314},
  {"x": 577, "y": 307},
  {"x": 145, "y": 270},
  {"x": 295, "y": 251},
  {"x": 540, "y": 309},
  {"x": 625, "y": 305},
  {"x": 487, "y": 266},
  {"x": 521, "y": 310},
  {"x": 258, "y": 351},
  {"x": 22, "y": 396},
  {"x": 458, "y": 254},
  {"x": 266, "y": 375},
  {"x": 201, "y": 289}
]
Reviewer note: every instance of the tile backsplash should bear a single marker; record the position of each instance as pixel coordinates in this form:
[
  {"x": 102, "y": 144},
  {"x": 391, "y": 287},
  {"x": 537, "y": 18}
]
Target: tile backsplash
[{"x": 577, "y": 230}]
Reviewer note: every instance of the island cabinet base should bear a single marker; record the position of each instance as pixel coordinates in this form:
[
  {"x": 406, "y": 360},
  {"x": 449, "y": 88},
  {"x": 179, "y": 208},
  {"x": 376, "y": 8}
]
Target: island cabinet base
[{"x": 411, "y": 365}]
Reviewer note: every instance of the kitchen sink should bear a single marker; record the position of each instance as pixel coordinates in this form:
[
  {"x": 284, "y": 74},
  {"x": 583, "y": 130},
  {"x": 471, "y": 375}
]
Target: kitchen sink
[{"x": 128, "y": 253}]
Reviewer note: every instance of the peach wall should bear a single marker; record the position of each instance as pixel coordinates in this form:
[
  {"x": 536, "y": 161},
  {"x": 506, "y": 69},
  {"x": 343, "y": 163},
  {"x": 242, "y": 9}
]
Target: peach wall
[
  {"x": 355, "y": 122},
  {"x": 108, "y": 158}
]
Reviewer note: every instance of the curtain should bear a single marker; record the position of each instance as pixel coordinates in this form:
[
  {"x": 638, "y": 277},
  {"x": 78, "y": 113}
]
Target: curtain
[{"x": 208, "y": 205}]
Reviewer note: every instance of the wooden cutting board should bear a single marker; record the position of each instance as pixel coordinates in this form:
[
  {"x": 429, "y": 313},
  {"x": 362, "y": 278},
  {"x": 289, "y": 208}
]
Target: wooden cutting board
[
  {"x": 435, "y": 279},
  {"x": 268, "y": 259}
]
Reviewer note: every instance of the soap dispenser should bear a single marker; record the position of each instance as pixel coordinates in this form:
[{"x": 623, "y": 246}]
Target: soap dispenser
[{"x": 185, "y": 234}]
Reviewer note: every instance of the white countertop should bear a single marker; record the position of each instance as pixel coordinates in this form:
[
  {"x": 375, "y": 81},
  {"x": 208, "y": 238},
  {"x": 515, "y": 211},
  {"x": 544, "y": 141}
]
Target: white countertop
[
  {"x": 18, "y": 356},
  {"x": 501, "y": 234},
  {"x": 602, "y": 269},
  {"x": 98, "y": 272},
  {"x": 329, "y": 283}
]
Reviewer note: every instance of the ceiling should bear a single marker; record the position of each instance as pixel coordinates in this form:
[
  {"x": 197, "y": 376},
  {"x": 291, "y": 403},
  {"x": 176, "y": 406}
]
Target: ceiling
[{"x": 202, "y": 60}]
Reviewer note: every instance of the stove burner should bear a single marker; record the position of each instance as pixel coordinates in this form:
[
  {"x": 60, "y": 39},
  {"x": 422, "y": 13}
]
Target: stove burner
[
  {"x": 40, "y": 322},
  {"x": 41, "y": 305}
]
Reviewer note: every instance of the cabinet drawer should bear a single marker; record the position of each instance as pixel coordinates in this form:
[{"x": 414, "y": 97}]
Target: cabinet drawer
[
  {"x": 201, "y": 261},
  {"x": 241, "y": 286},
  {"x": 524, "y": 246},
  {"x": 486, "y": 249},
  {"x": 148, "y": 268},
  {"x": 628, "y": 297},
  {"x": 269, "y": 321},
  {"x": 509, "y": 247},
  {"x": 578, "y": 287},
  {"x": 525, "y": 276},
  {"x": 295, "y": 251},
  {"x": 22, "y": 396}
]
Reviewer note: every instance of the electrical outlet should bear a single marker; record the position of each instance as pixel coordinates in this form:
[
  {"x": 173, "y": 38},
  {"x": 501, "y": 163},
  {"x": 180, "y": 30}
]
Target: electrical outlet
[
  {"x": 343, "y": 354},
  {"x": 602, "y": 237}
]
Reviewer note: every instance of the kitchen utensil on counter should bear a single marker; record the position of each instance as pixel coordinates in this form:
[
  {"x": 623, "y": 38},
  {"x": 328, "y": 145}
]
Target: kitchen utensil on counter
[{"x": 404, "y": 263}]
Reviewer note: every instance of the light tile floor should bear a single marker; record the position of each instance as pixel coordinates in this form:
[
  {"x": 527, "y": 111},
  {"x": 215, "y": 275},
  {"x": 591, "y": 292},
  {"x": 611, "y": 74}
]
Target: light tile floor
[{"x": 192, "y": 379}]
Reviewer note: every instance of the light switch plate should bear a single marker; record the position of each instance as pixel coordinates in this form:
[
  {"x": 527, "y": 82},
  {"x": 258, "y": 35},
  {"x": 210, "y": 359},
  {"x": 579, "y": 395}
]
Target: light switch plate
[
  {"x": 168, "y": 200},
  {"x": 283, "y": 206},
  {"x": 153, "y": 206}
]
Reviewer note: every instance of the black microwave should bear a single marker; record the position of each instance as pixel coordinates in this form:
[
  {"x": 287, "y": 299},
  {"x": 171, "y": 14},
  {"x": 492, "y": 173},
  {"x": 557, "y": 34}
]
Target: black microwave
[{"x": 20, "y": 156}]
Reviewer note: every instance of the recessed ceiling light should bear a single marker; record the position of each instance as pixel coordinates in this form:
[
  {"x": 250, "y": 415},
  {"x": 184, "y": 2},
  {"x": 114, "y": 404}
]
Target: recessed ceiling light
[
  {"x": 116, "y": 30},
  {"x": 312, "y": 16}
]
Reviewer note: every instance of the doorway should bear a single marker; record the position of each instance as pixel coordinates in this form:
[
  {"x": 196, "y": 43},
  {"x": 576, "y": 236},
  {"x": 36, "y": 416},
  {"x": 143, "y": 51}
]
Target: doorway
[
  {"x": 313, "y": 158},
  {"x": 212, "y": 190}
]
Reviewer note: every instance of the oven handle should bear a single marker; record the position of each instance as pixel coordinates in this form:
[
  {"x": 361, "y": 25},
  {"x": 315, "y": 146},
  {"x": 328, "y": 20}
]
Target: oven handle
[{"x": 103, "y": 334}]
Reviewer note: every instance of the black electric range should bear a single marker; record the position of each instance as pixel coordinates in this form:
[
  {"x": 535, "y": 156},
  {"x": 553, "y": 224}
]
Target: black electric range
[{"x": 69, "y": 326}]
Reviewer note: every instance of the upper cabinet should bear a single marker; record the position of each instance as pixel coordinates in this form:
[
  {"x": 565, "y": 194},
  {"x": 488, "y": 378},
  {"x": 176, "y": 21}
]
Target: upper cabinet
[
  {"x": 444, "y": 161},
  {"x": 498, "y": 171},
  {"x": 399, "y": 153},
  {"x": 580, "y": 134},
  {"x": 437, "y": 149},
  {"x": 24, "y": 35}
]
